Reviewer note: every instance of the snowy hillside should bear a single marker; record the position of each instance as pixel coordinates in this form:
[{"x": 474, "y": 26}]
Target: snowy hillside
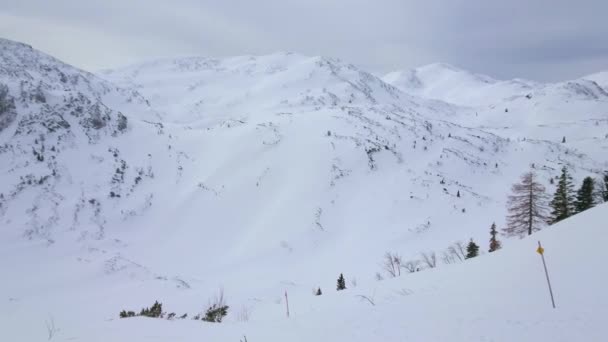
[
  {"x": 451, "y": 84},
  {"x": 169, "y": 179},
  {"x": 65, "y": 147},
  {"x": 500, "y": 296},
  {"x": 600, "y": 78},
  {"x": 447, "y": 83}
]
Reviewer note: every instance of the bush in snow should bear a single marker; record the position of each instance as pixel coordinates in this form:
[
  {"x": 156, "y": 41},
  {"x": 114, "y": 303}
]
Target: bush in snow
[
  {"x": 215, "y": 313},
  {"x": 125, "y": 314},
  {"x": 412, "y": 266},
  {"x": 429, "y": 259},
  {"x": 155, "y": 311},
  {"x": 392, "y": 264},
  {"x": 217, "y": 309}
]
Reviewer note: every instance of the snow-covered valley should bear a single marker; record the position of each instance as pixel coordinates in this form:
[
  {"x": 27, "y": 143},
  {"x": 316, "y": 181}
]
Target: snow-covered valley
[{"x": 264, "y": 174}]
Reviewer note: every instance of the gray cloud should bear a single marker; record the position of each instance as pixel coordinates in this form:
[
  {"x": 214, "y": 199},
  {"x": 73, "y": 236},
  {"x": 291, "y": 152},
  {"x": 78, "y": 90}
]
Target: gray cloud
[{"x": 543, "y": 40}]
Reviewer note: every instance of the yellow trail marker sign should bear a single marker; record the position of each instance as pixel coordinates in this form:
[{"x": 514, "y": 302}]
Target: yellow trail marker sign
[{"x": 540, "y": 250}]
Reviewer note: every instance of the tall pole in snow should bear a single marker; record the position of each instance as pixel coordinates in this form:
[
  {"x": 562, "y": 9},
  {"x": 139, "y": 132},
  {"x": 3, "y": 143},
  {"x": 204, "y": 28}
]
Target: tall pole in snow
[
  {"x": 541, "y": 251},
  {"x": 287, "y": 303}
]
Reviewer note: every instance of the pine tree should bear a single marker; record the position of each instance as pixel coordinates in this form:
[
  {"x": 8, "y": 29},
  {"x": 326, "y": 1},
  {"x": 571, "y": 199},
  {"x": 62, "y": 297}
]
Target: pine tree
[
  {"x": 584, "y": 196},
  {"x": 472, "y": 250},
  {"x": 318, "y": 292},
  {"x": 341, "y": 283},
  {"x": 563, "y": 140},
  {"x": 526, "y": 206},
  {"x": 494, "y": 242},
  {"x": 563, "y": 200},
  {"x": 458, "y": 194},
  {"x": 606, "y": 186}
]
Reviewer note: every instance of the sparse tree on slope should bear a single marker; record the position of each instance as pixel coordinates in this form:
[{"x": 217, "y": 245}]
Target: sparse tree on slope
[
  {"x": 599, "y": 189},
  {"x": 563, "y": 201},
  {"x": 472, "y": 250},
  {"x": 584, "y": 196},
  {"x": 606, "y": 186},
  {"x": 341, "y": 283},
  {"x": 494, "y": 242},
  {"x": 526, "y": 206}
]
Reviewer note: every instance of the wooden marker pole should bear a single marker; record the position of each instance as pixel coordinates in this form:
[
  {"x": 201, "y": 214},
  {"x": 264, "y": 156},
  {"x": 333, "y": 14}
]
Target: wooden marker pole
[
  {"x": 540, "y": 250},
  {"x": 287, "y": 303}
]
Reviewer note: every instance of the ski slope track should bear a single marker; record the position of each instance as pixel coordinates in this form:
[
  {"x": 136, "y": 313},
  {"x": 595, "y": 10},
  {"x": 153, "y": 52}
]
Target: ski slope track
[{"x": 263, "y": 174}]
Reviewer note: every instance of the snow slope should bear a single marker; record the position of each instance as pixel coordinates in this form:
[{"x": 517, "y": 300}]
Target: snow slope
[
  {"x": 600, "y": 78},
  {"x": 450, "y": 84},
  {"x": 500, "y": 296},
  {"x": 278, "y": 172}
]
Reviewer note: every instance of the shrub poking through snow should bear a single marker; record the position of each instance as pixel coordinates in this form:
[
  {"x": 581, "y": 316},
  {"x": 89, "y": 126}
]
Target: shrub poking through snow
[
  {"x": 215, "y": 313},
  {"x": 125, "y": 314},
  {"x": 217, "y": 309},
  {"x": 155, "y": 311}
]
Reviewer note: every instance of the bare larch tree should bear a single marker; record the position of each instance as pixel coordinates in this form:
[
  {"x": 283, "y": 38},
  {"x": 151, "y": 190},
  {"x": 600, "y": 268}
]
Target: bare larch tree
[{"x": 527, "y": 206}]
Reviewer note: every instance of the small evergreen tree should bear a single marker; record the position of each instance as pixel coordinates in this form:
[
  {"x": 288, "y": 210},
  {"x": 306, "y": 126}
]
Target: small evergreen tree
[
  {"x": 563, "y": 140},
  {"x": 606, "y": 186},
  {"x": 155, "y": 311},
  {"x": 318, "y": 292},
  {"x": 494, "y": 242},
  {"x": 563, "y": 199},
  {"x": 341, "y": 283},
  {"x": 125, "y": 314},
  {"x": 458, "y": 194},
  {"x": 584, "y": 196},
  {"x": 472, "y": 250}
]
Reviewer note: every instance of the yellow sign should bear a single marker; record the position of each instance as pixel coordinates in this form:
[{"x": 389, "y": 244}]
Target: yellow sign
[{"x": 540, "y": 250}]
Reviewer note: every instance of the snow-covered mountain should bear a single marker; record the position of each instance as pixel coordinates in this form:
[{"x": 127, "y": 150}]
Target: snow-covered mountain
[
  {"x": 68, "y": 147},
  {"x": 448, "y": 83},
  {"x": 257, "y": 173},
  {"x": 600, "y": 78}
]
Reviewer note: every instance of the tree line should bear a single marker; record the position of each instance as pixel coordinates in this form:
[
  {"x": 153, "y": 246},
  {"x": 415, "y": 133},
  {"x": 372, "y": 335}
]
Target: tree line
[{"x": 529, "y": 208}]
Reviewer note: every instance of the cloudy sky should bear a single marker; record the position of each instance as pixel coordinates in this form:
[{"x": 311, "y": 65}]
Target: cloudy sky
[{"x": 544, "y": 40}]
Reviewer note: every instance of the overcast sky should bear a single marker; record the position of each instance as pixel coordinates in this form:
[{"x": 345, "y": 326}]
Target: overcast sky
[{"x": 545, "y": 40}]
